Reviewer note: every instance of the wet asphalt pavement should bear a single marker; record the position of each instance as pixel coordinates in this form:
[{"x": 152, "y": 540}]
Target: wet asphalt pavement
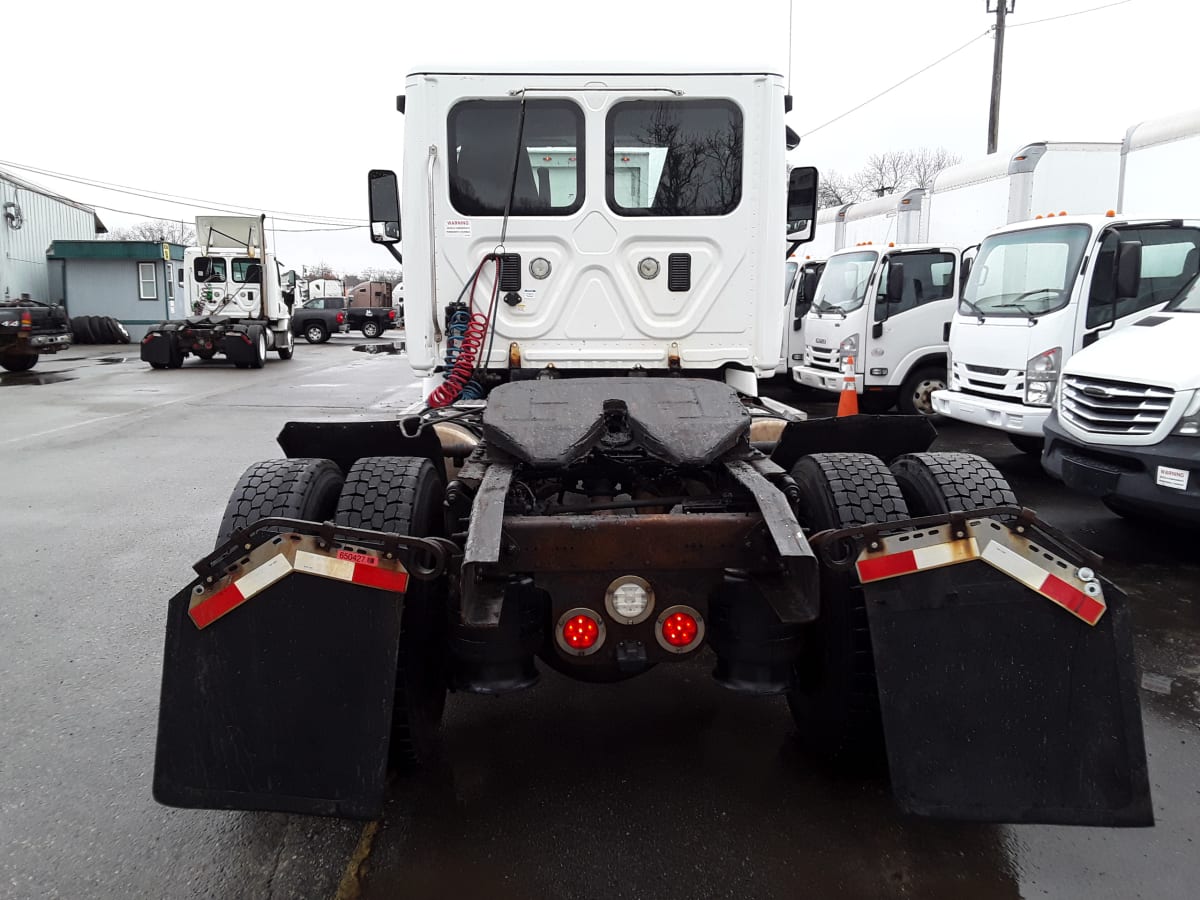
[{"x": 660, "y": 787}]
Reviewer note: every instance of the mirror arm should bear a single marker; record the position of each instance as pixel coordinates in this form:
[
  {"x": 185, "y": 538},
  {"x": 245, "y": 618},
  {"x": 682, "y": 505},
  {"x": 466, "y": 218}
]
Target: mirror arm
[{"x": 396, "y": 254}]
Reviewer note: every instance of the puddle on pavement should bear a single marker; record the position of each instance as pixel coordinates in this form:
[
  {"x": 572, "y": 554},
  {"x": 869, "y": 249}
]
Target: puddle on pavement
[
  {"x": 109, "y": 360},
  {"x": 382, "y": 347},
  {"x": 34, "y": 378}
]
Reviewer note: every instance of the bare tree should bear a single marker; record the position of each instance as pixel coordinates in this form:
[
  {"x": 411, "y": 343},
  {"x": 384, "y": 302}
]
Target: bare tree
[
  {"x": 926, "y": 162},
  {"x": 156, "y": 231},
  {"x": 889, "y": 172}
]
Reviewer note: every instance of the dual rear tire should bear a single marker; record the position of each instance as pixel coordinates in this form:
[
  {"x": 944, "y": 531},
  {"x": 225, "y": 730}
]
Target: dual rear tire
[
  {"x": 835, "y": 700},
  {"x": 395, "y": 494}
]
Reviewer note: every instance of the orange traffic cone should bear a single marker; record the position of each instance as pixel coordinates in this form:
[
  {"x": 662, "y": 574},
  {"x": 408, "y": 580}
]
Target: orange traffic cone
[{"x": 848, "y": 398}]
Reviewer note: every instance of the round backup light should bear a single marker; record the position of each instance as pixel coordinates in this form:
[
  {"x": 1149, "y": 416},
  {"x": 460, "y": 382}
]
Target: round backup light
[
  {"x": 539, "y": 268},
  {"x": 629, "y": 600},
  {"x": 580, "y": 632},
  {"x": 679, "y": 629},
  {"x": 648, "y": 268}
]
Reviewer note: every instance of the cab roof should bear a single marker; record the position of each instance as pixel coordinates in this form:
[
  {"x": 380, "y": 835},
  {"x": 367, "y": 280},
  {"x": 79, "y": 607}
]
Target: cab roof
[{"x": 591, "y": 68}]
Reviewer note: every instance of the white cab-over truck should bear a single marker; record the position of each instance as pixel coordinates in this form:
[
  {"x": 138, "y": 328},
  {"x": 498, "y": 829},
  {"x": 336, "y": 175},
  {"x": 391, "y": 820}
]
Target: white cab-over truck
[
  {"x": 1039, "y": 292},
  {"x": 592, "y": 485},
  {"x": 801, "y": 276},
  {"x": 240, "y": 299},
  {"x": 1126, "y": 420}
]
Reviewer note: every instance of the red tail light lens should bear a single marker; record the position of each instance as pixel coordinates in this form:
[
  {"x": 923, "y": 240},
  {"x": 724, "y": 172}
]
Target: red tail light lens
[
  {"x": 341, "y": 317},
  {"x": 392, "y": 314},
  {"x": 580, "y": 632},
  {"x": 680, "y": 629},
  {"x": 26, "y": 321}
]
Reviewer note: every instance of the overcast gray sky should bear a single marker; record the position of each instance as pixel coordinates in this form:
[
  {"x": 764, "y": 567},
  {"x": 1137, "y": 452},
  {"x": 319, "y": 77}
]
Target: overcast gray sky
[{"x": 286, "y": 107}]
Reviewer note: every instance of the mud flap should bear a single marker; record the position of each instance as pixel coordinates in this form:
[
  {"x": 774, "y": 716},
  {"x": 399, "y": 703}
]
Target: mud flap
[
  {"x": 1000, "y": 706},
  {"x": 284, "y": 703}
]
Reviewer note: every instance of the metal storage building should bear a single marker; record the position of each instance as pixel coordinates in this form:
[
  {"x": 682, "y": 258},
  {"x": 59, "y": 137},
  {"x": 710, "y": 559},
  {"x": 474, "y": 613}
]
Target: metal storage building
[
  {"x": 133, "y": 281},
  {"x": 31, "y": 217}
]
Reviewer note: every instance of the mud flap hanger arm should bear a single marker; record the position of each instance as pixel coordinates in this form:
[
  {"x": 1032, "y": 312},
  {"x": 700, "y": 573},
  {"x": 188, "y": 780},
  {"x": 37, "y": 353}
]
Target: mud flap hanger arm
[
  {"x": 840, "y": 548},
  {"x": 429, "y": 558}
]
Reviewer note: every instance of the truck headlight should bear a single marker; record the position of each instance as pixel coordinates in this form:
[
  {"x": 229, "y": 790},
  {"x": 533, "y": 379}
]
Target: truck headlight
[
  {"x": 1041, "y": 377},
  {"x": 848, "y": 347},
  {"x": 1189, "y": 423}
]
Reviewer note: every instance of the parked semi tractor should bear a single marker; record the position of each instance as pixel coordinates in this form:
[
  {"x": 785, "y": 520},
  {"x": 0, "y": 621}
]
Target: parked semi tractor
[
  {"x": 592, "y": 482},
  {"x": 1045, "y": 289},
  {"x": 240, "y": 298}
]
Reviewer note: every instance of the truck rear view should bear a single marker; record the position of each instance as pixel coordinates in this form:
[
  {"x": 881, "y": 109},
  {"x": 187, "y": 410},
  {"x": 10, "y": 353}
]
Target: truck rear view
[{"x": 591, "y": 484}]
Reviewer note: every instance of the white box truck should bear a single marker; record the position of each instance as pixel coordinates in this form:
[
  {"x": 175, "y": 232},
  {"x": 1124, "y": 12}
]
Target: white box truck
[
  {"x": 1042, "y": 290},
  {"x": 1158, "y": 162}
]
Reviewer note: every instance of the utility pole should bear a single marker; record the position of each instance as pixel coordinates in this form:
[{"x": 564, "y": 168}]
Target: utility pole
[{"x": 1002, "y": 9}]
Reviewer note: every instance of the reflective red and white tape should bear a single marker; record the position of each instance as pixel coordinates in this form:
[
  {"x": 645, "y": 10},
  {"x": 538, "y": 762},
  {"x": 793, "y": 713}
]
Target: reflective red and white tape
[
  {"x": 995, "y": 554},
  {"x": 356, "y": 568}
]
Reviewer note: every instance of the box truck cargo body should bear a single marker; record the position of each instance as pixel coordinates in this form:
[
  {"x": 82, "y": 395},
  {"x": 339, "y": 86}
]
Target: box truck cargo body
[
  {"x": 972, "y": 199},
  {"x": 1158, "y": 167},
  {"x": 895, "y": 219}
]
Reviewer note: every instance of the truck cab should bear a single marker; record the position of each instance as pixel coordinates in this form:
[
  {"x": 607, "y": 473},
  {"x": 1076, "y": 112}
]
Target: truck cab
[
  {"x": 800, "y": 279},
  {"x": 888, "y": 309},
  {"x": 1039, "y": 292}
]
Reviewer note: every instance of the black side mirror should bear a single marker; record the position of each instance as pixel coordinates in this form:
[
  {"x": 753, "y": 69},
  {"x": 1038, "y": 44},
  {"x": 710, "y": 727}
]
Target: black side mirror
[
  {"x": 802, "y": 205},
  {"x": 894, "y": 290},
  {"x": 965, "y": 273},
  {"x": 384, "y": 198},
  {"x": 1127, "y": 275}
]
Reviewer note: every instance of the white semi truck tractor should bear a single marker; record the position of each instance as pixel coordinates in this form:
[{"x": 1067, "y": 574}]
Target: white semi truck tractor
[
  {"x": 591, "y": 484},
  {"x": 239, "y": 297}
]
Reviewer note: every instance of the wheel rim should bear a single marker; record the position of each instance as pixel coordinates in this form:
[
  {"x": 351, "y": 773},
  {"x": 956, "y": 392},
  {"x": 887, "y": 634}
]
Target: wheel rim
[
  {"x": 314, "y": 334},
  {"x": 923, "y": 395},
  {"x": 370, "y": 329}
]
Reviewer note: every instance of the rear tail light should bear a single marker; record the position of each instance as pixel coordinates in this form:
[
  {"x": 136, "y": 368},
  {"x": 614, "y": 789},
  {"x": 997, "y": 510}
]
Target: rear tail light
[
  {"x": 679, "y": 629},
  {"x": 341, "y": 317},
  {"x": 26, "y": 320},
  {"x": 580, "y": 632},
  {"x": 392, "y": 314}
]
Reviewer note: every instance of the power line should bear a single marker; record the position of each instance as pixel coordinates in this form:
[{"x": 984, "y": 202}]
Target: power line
[
  {"x": 885, "y": 91},
  {"x": 180, "y": 200},
  {"x": 175, "y": 221},
  {"x": 1078, "y": 12}
]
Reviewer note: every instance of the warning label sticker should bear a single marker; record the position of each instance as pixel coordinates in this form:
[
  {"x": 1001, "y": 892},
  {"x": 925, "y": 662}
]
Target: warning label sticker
[{"x": 460, "y": 227}]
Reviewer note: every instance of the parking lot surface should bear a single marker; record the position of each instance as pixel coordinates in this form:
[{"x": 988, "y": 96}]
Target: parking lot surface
[{"x": 663, "y": 786}]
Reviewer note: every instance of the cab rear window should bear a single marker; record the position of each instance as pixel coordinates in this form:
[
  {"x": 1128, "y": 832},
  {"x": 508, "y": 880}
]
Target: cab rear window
[
  {"x": 674, "y": 157},
  {"x": 208, "y": 269},
  {"x": 544, "y": 176}
]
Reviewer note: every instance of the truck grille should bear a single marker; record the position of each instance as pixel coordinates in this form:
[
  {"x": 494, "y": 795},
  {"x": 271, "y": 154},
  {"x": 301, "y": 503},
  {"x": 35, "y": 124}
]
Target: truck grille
[
  {"x": 826, "y": 358},
  {"x": 1100, "y": 406},
  {"x": 989, "y": 381}
]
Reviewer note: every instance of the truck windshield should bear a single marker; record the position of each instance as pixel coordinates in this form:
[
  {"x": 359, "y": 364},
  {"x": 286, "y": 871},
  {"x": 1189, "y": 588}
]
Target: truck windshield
[
  {"x": 844, "y": 282},
  {"x": 1188, "y": 299},
  {"x": 1025, "y": 273}
]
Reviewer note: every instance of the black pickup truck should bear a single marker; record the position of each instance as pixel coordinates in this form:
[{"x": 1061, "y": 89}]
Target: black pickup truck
[
  {"x": 29, "y": 328},
  {"x": 316, "y": 319}
]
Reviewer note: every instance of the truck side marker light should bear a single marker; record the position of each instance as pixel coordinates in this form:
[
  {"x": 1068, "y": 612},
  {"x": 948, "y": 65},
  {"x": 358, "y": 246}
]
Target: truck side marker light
[
  {"x": 350, "y": 566},
  {"x": 995, "y": 545},
  {"x": 679, "y": 629}
]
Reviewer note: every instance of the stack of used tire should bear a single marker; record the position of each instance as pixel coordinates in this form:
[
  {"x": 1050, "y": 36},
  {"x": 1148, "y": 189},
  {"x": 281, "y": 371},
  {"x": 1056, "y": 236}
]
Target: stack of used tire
[{"x": 98, "y": 330}]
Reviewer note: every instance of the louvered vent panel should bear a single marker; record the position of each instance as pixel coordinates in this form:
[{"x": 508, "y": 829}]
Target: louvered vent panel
[
  {"x": 679, "y": 272},
  {"x": 510, "y": 272}
]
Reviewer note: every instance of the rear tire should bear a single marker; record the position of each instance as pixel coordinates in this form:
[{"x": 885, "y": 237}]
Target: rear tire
[
  {"x": 1027, "y": 443},
  {"x": 916, "y": 393},
  {"x": 316, "y": 334},
  {"x": 296, "y": 488},
  {"x": 18, "y": 362},
  {"x": 404, "y": 495},
  {"x": 258, "y": 340},
  {"x": 370, "y": 329},
  {"x": 835, "y": 703},
  {"x": 935, "y": 483}
]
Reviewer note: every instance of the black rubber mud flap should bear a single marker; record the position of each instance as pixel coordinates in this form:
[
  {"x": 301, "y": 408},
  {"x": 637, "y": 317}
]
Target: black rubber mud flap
[
  {"x": 283, "y": 704},
  {"x": 884, "y": 436},
  {"x": 999, "y": 706}
]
